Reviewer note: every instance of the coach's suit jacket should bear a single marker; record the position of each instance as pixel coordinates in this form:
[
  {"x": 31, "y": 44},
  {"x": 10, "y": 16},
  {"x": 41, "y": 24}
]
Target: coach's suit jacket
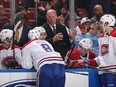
[
  {"x": 61, "y": 46},
  {"x": 24, "y": 37}
]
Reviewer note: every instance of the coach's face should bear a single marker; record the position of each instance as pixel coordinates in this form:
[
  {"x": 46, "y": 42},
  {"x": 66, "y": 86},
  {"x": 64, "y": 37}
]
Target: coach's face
[{"x": 51, "y": 17}]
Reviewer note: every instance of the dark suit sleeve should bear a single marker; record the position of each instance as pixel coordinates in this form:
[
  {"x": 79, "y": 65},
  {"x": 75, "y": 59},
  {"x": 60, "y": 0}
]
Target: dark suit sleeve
[
  {"x": 63, "y": 45},
  {"x": 66, "y": 36},
  {"x": 8, "y": 26}
]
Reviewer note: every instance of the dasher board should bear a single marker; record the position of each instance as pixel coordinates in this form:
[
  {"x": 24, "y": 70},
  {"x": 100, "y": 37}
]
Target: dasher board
[{"x": 27, "y": 78}]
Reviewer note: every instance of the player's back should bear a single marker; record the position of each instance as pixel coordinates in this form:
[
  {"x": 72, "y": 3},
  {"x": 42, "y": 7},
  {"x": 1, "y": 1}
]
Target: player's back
[
  {"x": 42, "y": 48},
  {"x": 42, "y": 53}
]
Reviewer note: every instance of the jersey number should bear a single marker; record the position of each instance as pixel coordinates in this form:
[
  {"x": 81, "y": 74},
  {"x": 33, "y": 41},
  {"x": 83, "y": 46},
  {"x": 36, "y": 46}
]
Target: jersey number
[{"x": 46, "y": 47}]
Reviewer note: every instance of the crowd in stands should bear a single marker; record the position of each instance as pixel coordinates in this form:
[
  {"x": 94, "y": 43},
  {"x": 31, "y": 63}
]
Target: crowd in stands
[{"x": 37, "y": 10}]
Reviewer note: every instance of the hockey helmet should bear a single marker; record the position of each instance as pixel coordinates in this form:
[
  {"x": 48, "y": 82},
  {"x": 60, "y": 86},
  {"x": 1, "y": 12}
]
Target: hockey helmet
[
  {"x": 6, "y": 36},
  {"x": 40, "y": 29},
  {"x": 108, "y": 18},
  {"x": 33, "y": 34},
  {"x": 86, "y": 43}
]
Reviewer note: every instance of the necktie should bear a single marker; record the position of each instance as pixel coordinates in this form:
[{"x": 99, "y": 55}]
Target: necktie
[
  {"x": 17, "y": 35},
  {"x": 54, "y": 30}
]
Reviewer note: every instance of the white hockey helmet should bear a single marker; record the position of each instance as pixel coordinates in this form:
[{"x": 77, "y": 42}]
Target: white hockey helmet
[
  {"x": 86, "y": 43},
  {"x": 40, "y": 29},
  {"x": 110, "y": 19},
  {"x": 6, "y": 34},
  {"x": 33, "y": 34}
]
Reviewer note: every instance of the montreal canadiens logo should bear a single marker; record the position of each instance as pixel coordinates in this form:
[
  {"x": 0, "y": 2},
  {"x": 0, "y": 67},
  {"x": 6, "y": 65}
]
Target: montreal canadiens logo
[
  {"x": 104, "y": 49},
  {"x": 8, "y": 62},
  {"x": 20, "y": 83}
]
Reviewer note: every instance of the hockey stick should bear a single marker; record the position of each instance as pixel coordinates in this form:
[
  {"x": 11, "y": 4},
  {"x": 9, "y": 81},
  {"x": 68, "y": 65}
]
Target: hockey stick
[
  {"x": 99, "y": 69},
  {"x": 72, "y": 48},
  {"x": 106, "y": 71},
  {"x": 78, "y": 73},
  {"x": 15, "y": 27}
]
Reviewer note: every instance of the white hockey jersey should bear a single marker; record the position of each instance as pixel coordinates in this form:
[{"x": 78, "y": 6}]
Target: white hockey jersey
[
  {"x": 107, "y": 53},
  {"x": 6, "y": 55},
  {"x": 38, "y": 53}
]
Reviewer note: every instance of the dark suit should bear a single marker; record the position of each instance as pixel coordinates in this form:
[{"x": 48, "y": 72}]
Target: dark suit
[
  {"x": 24, "y": 37},
  {"x": 61, "y": 46}
]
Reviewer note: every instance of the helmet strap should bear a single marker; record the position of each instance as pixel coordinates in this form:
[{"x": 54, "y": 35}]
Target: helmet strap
[{"x": 85, "y": 56}]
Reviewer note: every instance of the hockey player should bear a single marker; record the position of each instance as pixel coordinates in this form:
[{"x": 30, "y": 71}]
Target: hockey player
[
  {"x": 48, "y": 63},
  {"x": 42, "y": 32},
  {"x": 77, "y": 55},
  {"x": 107, "y": 51},
  {"x": 10, "y": 55}
]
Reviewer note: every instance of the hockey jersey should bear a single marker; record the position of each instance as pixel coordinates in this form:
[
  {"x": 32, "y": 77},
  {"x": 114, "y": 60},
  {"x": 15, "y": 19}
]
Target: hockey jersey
[
  {"x": 75, "y": 58},
  {"x": 7, "y": 56},
  {"x": 107, "y": 52},
  {"x": 38, "y": 53}
]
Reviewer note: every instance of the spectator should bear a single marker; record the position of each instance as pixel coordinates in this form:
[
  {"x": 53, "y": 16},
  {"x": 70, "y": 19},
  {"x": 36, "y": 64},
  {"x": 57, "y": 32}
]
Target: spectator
[
  {"x": 85, "y": 25},
  {"x": 55, "y": 5},
  {"x": 74, "y": 16},
  {"x": 76, "y": 55},
  {"x": 42, "y": 8},
  {"x": 48, "y": 63},
  {"x": 23, "y": 29},
  {"x": 60, "y": 38},
  {"x": 10, "y": 54},
  {"x": 75, "y": 33},
  {"x": 94, "y": 34},
  {"x": 64, "y": 10},
  {"x": 3, "y": 18},
  {"x": 62, "y": 7},
  {"x": 22, "y": 9},
  {"x": 82, "y": 12},
  {"x": 60, "y": 20},
  {"x": 98, "y": 13}
]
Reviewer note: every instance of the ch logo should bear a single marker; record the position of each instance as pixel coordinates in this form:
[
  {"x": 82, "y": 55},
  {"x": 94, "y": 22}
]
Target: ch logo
[{"x": 104, "y": 49}]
